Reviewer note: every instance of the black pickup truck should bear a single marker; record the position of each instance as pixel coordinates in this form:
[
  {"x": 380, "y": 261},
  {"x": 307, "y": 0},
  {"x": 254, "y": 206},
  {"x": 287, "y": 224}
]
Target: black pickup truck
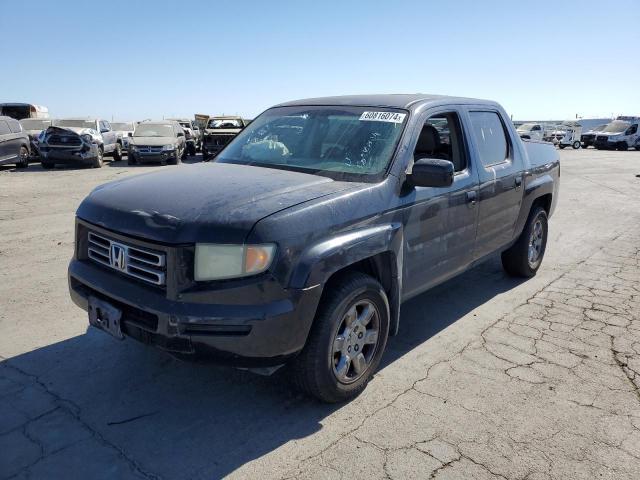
[{"x": 300, "y": 242}]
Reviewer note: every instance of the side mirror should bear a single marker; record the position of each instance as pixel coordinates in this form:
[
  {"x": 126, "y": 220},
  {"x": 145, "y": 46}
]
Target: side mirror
[
  {"x": 431, "y": 172},
  {"x": 180, "y": 134},
  {"x": 104, "y": 130},
  {"x": 130, "y": 134}
]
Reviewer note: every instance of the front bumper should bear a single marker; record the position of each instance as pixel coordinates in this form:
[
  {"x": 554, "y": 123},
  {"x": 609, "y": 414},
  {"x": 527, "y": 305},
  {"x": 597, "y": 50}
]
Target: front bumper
[
  {"x": 153, "y": 157},
  {"x": 83, "y": 155},
  {"x": 227, "y": 323}
]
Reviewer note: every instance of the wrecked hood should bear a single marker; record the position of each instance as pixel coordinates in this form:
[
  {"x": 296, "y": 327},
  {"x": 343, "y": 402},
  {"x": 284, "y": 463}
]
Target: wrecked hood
[
  {"x": 67, "y": 130},
  {"x": 216, "y": 203}
]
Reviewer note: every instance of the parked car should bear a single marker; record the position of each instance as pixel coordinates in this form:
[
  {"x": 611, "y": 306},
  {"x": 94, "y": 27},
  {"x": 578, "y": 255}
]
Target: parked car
[
  {"x": 162, "y": 141},
  {"x": 300, "y": 242},
  {"x": 533, "y": 131},
  {"x": 123, "y": 129},
  {"x": 18, "y": 111},
  {"x": 79, "y": 141},
  {"x": 219, "y": 132},
  {"x": 14, "y": 143},
  {"x": 588, "y": 139},
  {"x": 192, "y": 134},
  {"x": 34, "y": 127},
  {"x": 618, "y": 135}
]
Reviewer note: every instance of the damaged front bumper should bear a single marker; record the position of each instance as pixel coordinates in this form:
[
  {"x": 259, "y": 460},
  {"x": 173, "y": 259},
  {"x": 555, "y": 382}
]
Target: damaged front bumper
[{"x": 82, "y": 155}]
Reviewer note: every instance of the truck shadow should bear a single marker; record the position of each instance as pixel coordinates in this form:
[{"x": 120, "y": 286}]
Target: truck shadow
[{"x": 183, "y": 420}]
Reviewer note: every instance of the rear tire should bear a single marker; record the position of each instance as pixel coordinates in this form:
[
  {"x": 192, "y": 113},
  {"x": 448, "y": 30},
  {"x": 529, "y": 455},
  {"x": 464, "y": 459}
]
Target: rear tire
[
  {"x": 24, "y": 158},
  {"x": 348, "y": 335},
  {"x": 192, "y": 149},
  {"x": 525, "y": 256},
  {"x": 561, "y": 146},
  {"x": 576, "y": 145}
]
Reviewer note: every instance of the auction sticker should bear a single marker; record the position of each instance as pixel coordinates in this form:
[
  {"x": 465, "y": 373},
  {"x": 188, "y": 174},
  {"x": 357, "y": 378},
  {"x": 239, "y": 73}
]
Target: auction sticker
[{"x": 393, "y": 117}]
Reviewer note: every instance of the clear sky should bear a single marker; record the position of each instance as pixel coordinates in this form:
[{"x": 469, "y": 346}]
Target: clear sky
[{"x": 132, "y": 60}]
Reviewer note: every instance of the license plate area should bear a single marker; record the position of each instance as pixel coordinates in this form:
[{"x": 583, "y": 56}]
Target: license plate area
[{"x": 105, "y": 316}]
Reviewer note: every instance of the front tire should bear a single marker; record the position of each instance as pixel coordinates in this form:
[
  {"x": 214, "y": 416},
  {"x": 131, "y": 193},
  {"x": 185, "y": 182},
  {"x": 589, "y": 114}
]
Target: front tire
[
  {"x": 117, "y": 153},
  {"x": 192, "y": 149},
  {"x": 576, "y": 145},
  {"x": 525, "y": 256},
  {"x": 24, "y": 158},
  {"x": 623, "y": 147},
  {"x": 99, "y": 160},
  {"x": 347, "y": 340}
]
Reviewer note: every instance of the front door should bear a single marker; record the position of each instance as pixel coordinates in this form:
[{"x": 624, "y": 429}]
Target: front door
[{"x": 440, "y": 228}]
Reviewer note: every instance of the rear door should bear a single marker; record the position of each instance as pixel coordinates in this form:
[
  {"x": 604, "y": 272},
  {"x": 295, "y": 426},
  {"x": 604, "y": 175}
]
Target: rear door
[{"x": 500, "y": 174}]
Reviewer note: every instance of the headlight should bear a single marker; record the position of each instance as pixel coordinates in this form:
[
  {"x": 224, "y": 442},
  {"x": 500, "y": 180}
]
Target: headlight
[
  {"x": 87, "y": 138},
  {"x": 215, "y": 262},
  {"x": 132, "y": 147},
  {"x": 169, "y": 147}
]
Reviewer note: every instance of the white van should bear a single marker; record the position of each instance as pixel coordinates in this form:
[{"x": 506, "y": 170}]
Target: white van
[
  {"x": 20, "y": 111},
  {"x": 621, "y": 134}
]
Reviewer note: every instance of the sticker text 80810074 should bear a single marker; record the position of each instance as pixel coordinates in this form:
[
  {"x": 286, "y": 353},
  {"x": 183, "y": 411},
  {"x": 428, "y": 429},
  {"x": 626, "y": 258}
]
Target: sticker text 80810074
[{"x": 393, "y": 117}]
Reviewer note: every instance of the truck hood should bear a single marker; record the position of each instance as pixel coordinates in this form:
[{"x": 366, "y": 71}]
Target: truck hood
[
  {"x": 152, "y": 141},
  {"x": 67, "y": 130},
  {"x": 214, "y": 203}
]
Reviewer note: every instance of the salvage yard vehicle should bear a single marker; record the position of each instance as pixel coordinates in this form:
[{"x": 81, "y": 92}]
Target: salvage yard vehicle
[
  {"x": 532, "y": 131},
  {"x": 14, "y": 143},
  {"x": 123, "y": 129},
  {"x": 618, "y": 135},
  {"x": 219, "y": 132},
  {"x": 19, "y": 111},
  {"x": 192, "y": 134},
  {"x": 34, "y": 127},
  {"x": 79, "y": 141},
  {"x": 588, "y": 139},
  {"x": 299, "y": 243},
  {"x": 162, "y": 141}
]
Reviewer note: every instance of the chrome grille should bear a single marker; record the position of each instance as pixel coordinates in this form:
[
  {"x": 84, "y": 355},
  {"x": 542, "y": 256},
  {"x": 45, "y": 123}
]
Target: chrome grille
[
  {"x": 136, "y": 262},
  {"x": 149, "y": 149}
]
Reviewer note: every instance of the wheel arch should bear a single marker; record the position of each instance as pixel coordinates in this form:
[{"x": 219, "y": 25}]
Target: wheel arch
[{"x": 375, "y": 251}]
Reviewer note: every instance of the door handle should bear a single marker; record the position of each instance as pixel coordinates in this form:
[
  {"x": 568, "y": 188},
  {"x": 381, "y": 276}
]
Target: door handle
[
  {"x": 472, "y": 197},
  {"x": 518, "y": 182}
]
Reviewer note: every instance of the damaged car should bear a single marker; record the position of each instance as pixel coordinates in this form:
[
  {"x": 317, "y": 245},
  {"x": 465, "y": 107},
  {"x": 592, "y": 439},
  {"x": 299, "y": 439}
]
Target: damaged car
[
  {"x": 191, "y": 133},
  {"x": 123, "y": 129},
  {"x": 81, "y": 142},
  {"x": 300, "y": 243},
  {"x": 219, "y": 132}
]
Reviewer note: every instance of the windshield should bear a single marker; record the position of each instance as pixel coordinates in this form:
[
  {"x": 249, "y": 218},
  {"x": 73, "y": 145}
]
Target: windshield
[
  {"x": 122, "y": 127},
  {"x": 76, "y": 123},
  {"x": 344, "y": 143},
  {"x": 224, "y": 123},
  {"x": 185, "y": 124},
  {"x": 154, "y": 130},
  {"x": 34, "y": 124},
  {"x": 616, "y": 127}
]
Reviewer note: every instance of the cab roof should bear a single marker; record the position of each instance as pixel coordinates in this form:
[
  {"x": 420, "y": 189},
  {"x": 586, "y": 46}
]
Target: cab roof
[{"x": 406, "y": 101}]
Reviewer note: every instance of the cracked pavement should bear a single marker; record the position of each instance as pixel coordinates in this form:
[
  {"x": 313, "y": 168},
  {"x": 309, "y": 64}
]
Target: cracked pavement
[{"x": 490, "y": 377}]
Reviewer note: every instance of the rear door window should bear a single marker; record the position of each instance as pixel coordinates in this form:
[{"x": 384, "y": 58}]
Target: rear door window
[{"x": 490, "y": 137}]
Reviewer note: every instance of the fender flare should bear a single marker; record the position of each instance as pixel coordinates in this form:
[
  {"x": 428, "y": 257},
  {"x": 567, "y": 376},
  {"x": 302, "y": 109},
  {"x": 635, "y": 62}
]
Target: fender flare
[
  {"x": 321, "y": 260},
  {"x": 535, "y": 189}
]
